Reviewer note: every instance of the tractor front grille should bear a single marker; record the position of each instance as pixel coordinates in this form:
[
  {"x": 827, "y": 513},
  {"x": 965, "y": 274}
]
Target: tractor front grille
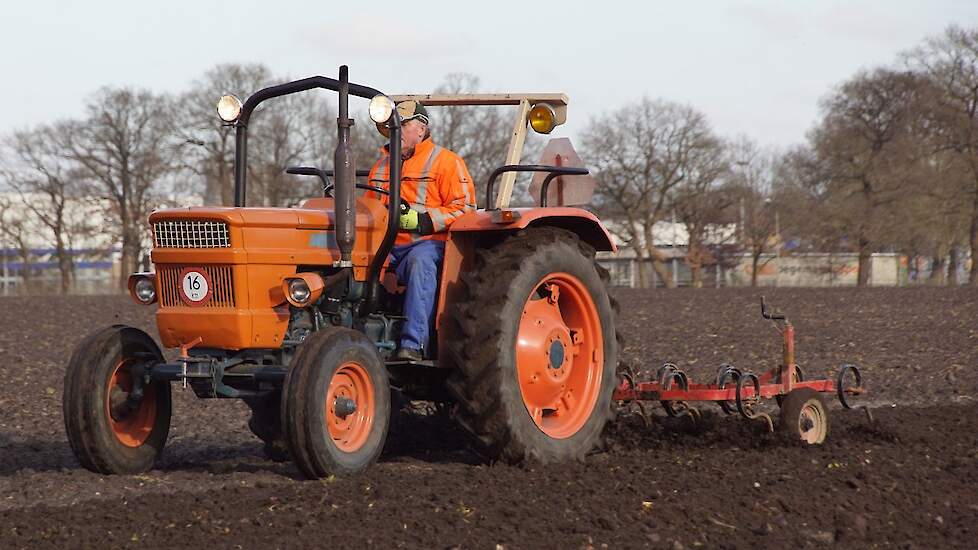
[
  {"x": 221, "y": 279},
  {"x": 191, "y": 234}
]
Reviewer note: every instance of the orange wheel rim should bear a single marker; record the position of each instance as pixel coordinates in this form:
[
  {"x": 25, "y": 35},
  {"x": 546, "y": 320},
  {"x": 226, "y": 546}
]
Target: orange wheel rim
[
  {"x": 560, "y": 355},
  {"x": 350, "y": 407},
  {"x": 131, "y": 428}
]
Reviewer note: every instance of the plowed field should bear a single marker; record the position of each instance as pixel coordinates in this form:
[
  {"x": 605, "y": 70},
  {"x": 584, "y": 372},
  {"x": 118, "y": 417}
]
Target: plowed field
[{"x": 908, "y": 479}]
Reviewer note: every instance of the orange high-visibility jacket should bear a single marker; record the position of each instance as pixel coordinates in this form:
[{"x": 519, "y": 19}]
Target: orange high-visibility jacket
[{"x": 434, "y": 180}]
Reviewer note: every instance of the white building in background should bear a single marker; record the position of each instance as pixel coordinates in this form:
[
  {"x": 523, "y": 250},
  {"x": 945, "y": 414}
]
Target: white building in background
[
  {"x": 90, "y": 240},
  {"x": 735, "y": 267},
  {"x": 94, "y": 244}
]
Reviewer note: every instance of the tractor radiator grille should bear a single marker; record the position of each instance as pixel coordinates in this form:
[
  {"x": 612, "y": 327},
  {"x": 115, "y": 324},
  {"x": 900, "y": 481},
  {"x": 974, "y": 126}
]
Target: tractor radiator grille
[
  {"x": 191, "y": 234},
  {"x": 222, "y": 291}
]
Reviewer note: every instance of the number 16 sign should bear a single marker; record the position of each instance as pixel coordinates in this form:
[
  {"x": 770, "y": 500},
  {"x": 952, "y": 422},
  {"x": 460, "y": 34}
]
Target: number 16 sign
[{"x": 195, "y": 287}]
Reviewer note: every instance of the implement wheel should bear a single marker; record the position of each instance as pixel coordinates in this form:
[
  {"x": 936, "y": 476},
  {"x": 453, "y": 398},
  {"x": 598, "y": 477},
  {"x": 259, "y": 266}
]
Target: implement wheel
[
  {"x": 803, "y": 414},
  {"x": 109, "y": 432},
  {"x": 335, "y": 404},
  {"x": 536, "y": 349}
]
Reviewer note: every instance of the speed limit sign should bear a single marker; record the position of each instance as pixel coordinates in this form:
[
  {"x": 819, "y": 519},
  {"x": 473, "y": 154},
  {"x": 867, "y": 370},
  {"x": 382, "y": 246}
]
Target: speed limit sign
[{"x": 195, "y": 286}]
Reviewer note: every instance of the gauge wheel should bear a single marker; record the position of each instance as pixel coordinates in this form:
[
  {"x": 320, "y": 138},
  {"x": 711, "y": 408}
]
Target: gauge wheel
[{"x": 803, "y": 415}]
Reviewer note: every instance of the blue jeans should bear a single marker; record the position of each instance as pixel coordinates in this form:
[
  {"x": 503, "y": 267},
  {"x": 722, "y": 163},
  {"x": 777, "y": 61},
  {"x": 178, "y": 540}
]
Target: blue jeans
[{"x": 416, "y": 266}]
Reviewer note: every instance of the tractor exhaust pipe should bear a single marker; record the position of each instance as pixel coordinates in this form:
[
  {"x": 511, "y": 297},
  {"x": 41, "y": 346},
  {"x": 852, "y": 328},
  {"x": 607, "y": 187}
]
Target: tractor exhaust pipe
[{"x": 344, "y": 169}]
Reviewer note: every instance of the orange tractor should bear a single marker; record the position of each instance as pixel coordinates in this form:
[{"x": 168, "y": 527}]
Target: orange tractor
[{"x": 293, "y": 311}]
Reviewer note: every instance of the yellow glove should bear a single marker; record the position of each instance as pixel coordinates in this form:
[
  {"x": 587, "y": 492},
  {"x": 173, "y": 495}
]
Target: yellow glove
[{"x": 408, "y": 220}]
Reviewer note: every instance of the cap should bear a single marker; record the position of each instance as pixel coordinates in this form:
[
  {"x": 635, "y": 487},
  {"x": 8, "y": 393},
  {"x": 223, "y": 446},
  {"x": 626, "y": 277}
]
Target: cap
[{"x": 410, "y": 110}]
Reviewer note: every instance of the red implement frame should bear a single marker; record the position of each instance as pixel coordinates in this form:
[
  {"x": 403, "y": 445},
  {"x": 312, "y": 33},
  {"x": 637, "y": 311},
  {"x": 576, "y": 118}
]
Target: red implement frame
[{"x": 778, "y": 381}]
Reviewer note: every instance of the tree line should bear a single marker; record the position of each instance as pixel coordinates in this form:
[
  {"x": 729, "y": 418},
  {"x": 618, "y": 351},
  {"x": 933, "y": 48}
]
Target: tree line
[{"x": 891, "y": 165}]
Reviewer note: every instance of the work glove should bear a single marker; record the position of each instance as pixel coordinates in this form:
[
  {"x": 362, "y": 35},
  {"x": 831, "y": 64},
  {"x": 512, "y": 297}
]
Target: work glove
[
  {"x": 414, "y": 221},
  {"x": 409, "y": 219}
]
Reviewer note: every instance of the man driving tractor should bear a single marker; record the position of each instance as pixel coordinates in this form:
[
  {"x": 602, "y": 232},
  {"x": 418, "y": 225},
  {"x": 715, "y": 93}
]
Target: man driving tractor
[{"x": 437, "y": 189}]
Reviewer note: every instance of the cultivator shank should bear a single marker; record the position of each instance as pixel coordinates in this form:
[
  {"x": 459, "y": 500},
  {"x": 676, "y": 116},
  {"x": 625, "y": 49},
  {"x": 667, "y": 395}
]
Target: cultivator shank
[{"x": 741, "y": 391}]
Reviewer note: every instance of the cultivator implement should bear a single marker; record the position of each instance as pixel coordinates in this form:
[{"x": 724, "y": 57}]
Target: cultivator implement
[{"x": 742, "y": 391}]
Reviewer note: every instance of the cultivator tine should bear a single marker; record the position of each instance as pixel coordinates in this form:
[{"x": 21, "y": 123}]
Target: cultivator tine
[
  {"x": 646, "y": 417},
  {"x": 725, "y": 371},
  {"x": 676, "y": 409},
  {"x": 843, "y": 389}
]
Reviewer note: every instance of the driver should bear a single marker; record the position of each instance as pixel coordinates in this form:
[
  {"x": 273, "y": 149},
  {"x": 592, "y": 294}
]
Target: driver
[{"x": 437, "y": 187}]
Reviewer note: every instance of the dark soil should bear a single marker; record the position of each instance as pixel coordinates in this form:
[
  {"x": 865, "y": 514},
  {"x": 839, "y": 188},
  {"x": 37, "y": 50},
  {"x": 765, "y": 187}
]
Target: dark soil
[{"x": 908, "y": 480}]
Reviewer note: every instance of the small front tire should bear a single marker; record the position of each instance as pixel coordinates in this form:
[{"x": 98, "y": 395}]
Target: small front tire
[
  {"x": 336, "y": 404},
  {"x": 107, "y": 435}
]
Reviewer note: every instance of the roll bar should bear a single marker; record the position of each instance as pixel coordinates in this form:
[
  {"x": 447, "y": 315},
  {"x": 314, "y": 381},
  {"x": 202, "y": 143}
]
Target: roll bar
[{"x": 343, "y": 164}]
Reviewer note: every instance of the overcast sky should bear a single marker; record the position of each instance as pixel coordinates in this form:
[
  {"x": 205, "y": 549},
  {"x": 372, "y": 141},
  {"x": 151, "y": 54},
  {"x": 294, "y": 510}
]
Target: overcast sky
[{"x": 756, "y": 67}]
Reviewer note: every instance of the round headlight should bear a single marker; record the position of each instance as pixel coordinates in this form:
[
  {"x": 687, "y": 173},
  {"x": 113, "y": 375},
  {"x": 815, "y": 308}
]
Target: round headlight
[
  {"x": 145, "y": 290},
  {"x": 229, "y": 108},
  {"x": 299, "y": 291},
  {"x": 381, "y": 108},
  {"x": 543, "y": 118}
]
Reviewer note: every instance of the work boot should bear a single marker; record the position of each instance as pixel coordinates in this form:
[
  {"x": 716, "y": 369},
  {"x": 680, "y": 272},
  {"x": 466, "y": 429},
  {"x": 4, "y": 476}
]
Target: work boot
[{"x": 408, "y": 354}]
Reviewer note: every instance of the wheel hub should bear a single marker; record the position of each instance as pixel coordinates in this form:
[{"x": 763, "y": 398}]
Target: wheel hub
[
  {"x": 349, "y": 407},
  {"x": 556, "y": 354},
  {"x": 344, "y": 406},
  {"x": 131, "y": 422}
]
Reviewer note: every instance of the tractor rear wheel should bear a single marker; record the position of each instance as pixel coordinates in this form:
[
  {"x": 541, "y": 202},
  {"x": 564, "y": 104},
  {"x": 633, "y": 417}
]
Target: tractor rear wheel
[
  {"x": 535, "y": 348},
  {"x": 108, "y": 432},
  {"x": 335, "y": 404}
]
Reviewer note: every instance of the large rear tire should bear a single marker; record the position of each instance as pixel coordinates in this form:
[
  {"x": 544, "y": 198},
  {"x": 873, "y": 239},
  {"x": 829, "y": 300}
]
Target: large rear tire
[
  {"x": 336, "y": 404},
  {"x": 536, "y": 348},
  {"x": 107, "y": 435}
]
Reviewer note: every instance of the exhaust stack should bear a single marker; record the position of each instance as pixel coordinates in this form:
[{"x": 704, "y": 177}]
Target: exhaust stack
[{"x": 344, "y": 171}]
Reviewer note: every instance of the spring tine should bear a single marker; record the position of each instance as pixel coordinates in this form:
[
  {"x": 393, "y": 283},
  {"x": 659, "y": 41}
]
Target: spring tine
[{"x": 644, "y": 414}]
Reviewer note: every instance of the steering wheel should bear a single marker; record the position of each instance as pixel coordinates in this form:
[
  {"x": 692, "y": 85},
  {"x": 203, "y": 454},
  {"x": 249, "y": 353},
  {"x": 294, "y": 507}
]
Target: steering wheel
[
  {"x": 328, "y": 189},
  {"x": 325, "y": 175}
]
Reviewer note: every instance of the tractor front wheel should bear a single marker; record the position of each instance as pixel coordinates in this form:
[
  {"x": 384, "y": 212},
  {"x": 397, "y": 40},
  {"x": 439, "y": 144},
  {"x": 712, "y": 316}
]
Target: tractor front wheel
[
  {"x": 335, "y": 404},
  {"x": 113, "y": 429},
  {"x": 534, "y": 348}
]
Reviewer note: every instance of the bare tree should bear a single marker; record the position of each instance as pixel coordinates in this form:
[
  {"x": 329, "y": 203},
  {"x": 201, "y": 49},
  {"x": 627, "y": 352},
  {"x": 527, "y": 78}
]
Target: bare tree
[
  {"x": 950, "y": 61},
  {"x": 206, "y": 142},
  {"x": 641, "y": 154},
  {"x": 861, "y": 146},
  {"x": 17, "y": 230},
  {"x": 124, "y": 148},
  {"x": 753, "y": 188},
  {"x": 700, "y": 203},
  {"x": 46, "y": 182}
]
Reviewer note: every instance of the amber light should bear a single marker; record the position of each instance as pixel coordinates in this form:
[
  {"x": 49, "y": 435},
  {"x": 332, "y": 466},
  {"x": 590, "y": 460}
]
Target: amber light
[{"x": 543, "y": 118}]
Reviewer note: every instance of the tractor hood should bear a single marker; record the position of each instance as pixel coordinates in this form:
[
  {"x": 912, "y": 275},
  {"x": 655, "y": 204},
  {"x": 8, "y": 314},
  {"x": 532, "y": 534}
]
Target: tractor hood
[
  {"x": 293, "y": 236},
  {"x": 243, "y": 254}
]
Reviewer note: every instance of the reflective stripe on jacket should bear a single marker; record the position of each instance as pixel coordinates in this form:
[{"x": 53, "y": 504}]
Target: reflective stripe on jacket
[{"x": 434, "y": 180}]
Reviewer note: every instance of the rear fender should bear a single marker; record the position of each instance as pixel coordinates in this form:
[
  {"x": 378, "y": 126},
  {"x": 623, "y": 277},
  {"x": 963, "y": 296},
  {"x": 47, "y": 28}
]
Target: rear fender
[{"x": 585, "y": 224}]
